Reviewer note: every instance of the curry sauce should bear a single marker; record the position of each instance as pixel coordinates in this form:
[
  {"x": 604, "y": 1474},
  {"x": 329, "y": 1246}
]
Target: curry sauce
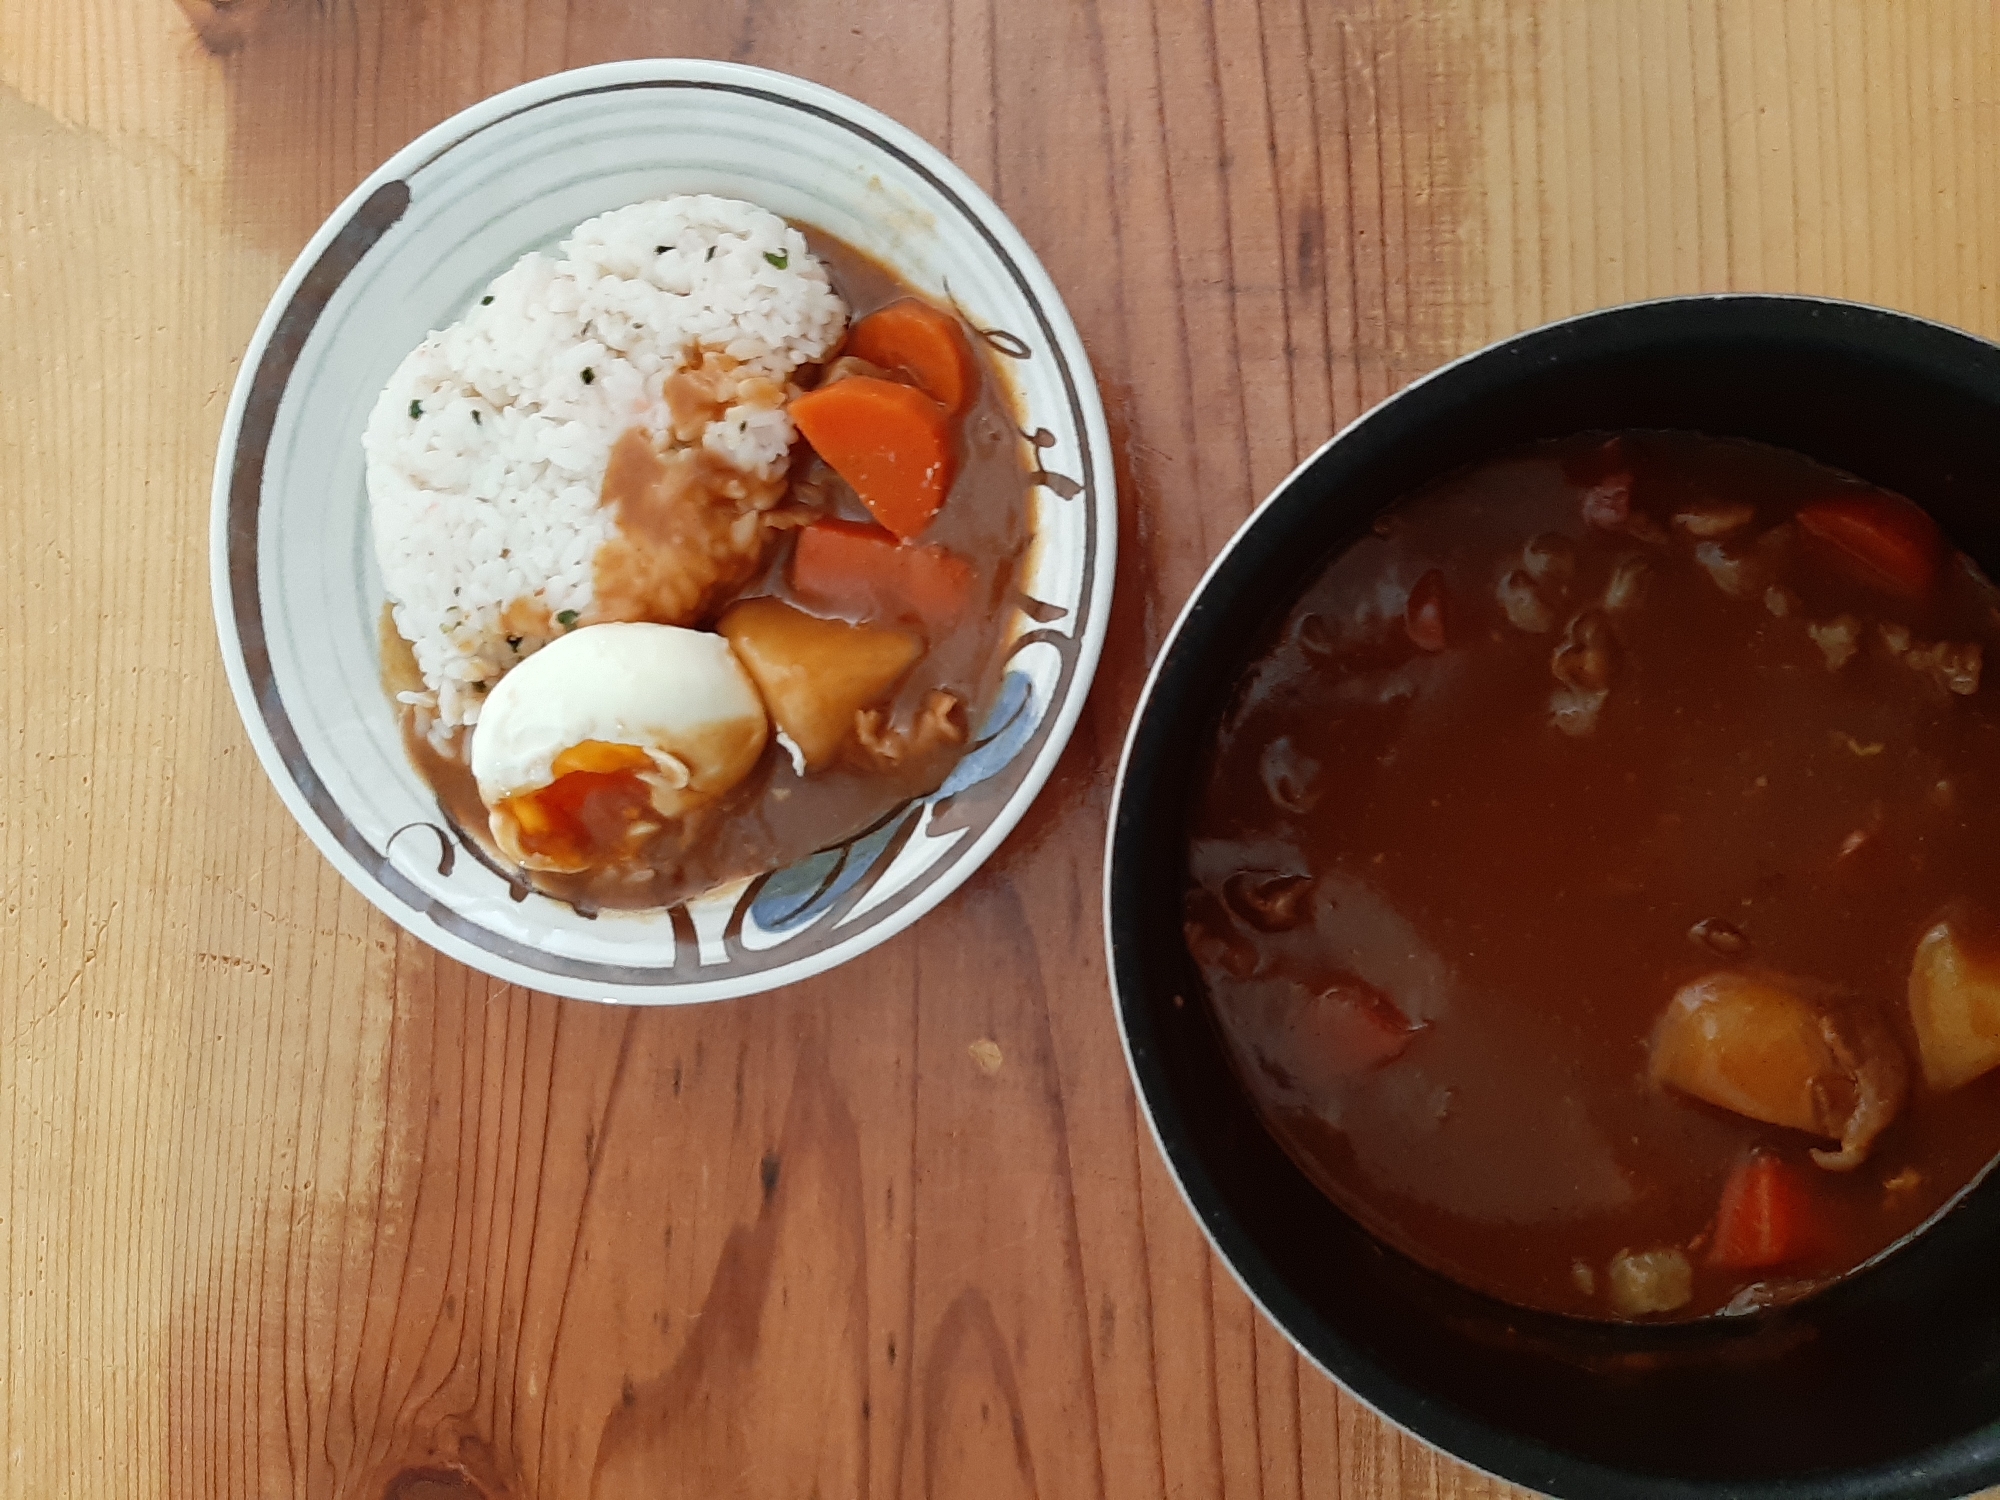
[{"x": 1583, "y": 747}]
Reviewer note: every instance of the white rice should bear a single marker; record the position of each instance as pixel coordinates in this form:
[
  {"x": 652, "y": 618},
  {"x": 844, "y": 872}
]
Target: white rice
[{"x": 487, "y": 448}]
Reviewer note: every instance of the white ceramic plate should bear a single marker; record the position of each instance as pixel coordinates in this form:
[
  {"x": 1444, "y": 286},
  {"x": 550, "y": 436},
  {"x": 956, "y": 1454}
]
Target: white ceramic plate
[{"x": 297, "y": 595}]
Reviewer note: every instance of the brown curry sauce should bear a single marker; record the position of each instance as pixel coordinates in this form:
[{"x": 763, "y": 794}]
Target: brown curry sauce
[{"x": 1413, "y": 832}]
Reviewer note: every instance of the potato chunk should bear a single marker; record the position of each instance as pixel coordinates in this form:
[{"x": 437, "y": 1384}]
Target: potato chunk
[
  {"x": 1955, "y": 1007},
  {"x": 1650, "y": 1281},
  {"x": 815, "y": 674},
  {"x": 1770, "y": 1050}
]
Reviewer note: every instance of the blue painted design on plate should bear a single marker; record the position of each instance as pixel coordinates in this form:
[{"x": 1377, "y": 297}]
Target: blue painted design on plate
[
  {"x": 799, "y": 895},
  {"x": 1010, "y": 725},
  {"x": 784, "y": 899}
]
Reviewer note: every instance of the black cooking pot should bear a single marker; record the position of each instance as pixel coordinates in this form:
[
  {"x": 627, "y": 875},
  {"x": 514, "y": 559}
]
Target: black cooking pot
[{"x": 1887, "y": 1384}]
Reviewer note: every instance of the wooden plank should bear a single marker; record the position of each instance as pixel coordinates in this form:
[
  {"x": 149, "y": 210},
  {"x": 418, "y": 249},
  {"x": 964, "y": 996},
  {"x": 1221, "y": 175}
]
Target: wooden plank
[{"x": 292, "y": 1206}]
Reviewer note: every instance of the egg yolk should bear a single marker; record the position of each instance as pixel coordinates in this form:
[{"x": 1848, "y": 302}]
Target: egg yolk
[{"x": 597, "y": 810}]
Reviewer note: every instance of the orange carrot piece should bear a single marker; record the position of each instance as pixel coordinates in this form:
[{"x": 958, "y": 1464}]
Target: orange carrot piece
[
  {"x": 924, "y": 342},
  {"x": 1425, "y": 612},
  {"x": 1767, "y": 1216},
  {"x": 890, "y": 441},
  {"x": 1894, "y": 541},
  {"x": 862, "y": 570}
]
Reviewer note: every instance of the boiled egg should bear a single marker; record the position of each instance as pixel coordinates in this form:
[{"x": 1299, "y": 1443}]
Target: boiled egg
[{"x": 592, "y": 745}]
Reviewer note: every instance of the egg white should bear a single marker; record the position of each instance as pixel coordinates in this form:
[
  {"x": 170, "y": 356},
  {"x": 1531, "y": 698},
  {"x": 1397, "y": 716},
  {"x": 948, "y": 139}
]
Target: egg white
[{"x": 679, "y": 695}]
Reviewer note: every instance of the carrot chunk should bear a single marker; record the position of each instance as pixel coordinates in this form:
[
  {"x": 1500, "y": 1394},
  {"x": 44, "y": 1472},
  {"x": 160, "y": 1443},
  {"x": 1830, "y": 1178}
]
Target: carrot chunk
[
  {"x": 1895, "y": 543},
  {"x": 850, "y": 568},
  {"x": 925, "y": 343},
  {"x": 889, "y": 440},
  {"x": 1767, "y": 1216},
  {"x": 1424, "y": 614}
]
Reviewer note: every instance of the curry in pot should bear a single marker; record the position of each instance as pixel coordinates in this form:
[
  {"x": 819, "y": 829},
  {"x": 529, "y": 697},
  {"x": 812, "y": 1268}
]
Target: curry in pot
[{"x": 1597, "y": 881}]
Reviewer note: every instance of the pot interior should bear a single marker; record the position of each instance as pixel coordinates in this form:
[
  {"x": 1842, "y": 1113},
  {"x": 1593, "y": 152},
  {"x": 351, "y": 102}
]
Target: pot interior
[{"x": 1886, "y": 1384}]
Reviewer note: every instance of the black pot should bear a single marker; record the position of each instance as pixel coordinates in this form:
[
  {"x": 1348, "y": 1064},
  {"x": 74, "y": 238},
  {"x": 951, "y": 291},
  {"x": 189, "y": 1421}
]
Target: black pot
[{"x": 1887, "y": 1384}]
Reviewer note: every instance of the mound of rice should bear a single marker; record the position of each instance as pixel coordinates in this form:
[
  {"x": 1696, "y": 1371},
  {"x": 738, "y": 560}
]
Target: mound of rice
[{"x": 487, "y": 449}]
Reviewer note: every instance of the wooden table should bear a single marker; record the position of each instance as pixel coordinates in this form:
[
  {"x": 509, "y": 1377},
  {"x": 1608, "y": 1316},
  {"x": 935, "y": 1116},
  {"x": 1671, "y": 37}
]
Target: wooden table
[{"x": 292, "y": 1206}]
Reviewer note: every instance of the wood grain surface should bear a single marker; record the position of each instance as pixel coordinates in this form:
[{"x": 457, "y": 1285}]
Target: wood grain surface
[{"x": 290, "y": 1206}]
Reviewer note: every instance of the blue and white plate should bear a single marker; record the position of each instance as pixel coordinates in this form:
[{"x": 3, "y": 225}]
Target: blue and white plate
[{"x": 297, "y": 595}]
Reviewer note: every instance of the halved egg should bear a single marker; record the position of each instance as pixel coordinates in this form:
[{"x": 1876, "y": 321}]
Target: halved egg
[{"x": 589, "y": 747}]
